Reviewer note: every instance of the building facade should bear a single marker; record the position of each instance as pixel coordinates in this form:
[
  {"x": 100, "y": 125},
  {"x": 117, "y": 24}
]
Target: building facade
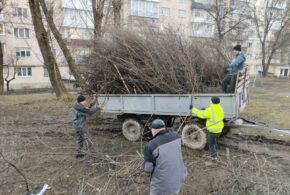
[{"x": 74, "y": 18}]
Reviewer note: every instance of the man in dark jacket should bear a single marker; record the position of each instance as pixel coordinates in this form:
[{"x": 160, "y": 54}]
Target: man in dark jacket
[
  {"x": 163, "y": 159},
  {"x": 79, "y": 116},
  {"x": 237, "y": 64}
]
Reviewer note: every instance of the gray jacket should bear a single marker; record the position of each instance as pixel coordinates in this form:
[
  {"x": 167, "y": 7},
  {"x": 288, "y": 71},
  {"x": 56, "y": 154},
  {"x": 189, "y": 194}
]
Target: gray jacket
[
  {"x": 79, "y": 115},
  {"x": 237, "y": 64},
  {"x": 163, "y": 159}
]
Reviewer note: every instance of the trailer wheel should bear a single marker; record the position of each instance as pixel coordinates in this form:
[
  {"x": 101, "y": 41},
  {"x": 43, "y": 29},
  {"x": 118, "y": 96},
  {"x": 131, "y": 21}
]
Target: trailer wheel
[
  {"x": 193, "y": 137},
  {"x": 131, "y": 129}
]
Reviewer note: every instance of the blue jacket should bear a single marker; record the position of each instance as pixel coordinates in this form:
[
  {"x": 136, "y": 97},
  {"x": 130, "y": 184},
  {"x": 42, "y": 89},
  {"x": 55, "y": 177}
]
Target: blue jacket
[
  {"x": 237, "y": 64},
  {"x": 79, "y": 115}
]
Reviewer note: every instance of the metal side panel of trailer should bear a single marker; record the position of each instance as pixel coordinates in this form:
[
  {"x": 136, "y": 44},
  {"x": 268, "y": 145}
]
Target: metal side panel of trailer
[{"x": 168, "y": 104}]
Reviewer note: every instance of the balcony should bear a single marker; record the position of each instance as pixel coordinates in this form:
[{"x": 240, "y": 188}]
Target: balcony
[
  {"x": 145, "y": 9},
  {"x": 202, "y": 6},
  {"x": 203, "y": 34}
]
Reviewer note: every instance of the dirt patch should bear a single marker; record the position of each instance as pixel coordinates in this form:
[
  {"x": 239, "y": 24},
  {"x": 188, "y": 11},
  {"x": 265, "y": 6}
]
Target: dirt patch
[{"x": 36, "y": 135}]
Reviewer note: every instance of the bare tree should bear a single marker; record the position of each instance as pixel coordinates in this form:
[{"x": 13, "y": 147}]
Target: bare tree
[
  {"x": 117, "y": 5},
  {"x": 45, "y": 48},
  {"x": 226, "y": 17},
  {"x": 271, "y": 20},
  {"x": 98, "y": 13},
  {"x": 1, "y": 58},
  {"x": 62, "y": 44},
  {"x": 12, "y": 65},
  {"x": 1, "y": 69}
]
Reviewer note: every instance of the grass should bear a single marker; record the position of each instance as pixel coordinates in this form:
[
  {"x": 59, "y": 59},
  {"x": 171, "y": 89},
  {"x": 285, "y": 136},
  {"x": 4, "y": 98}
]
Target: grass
[{"x": 270, "y": 102}]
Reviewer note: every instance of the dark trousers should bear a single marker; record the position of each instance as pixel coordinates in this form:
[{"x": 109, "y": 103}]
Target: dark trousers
[
  {"x": 229, "y": 83},
  {"x": 212, "y": 143},
  {"x": 83, "y": 141}
]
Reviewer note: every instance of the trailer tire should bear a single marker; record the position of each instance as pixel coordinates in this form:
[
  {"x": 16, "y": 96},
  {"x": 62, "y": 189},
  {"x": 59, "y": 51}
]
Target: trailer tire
[
  {"x": 131, "y": 129},
  {"x": 197, "y": 140}
]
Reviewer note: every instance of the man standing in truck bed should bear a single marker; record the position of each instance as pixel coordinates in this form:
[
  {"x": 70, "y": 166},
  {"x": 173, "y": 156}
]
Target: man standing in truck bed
[{"x": 237, "y": 64}]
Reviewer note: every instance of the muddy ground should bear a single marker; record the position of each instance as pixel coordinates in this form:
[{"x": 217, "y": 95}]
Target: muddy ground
[{"x": 36, "y": 136}]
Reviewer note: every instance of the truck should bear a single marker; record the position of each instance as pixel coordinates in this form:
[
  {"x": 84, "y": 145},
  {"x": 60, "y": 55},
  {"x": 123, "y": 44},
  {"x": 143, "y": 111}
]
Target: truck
[{"x": 137, "y": 111}]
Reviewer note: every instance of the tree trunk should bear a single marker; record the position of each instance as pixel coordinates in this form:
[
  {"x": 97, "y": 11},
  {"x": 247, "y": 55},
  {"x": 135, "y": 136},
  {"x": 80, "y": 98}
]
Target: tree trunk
[
  {"x": 1, "y": 69},
  {"x": 46, "y": 51},
  {"x": 7, "y": 86},
  {"x": 62, "y": 44},
  {"x": 98, "y": 12},
  {"x": 117, "y": 5},
  {"x": 264, "y": 65}
]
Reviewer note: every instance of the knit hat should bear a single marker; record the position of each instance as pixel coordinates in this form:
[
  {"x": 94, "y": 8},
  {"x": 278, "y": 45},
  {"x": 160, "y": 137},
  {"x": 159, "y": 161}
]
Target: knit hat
[
  {"x": 238, "y": 48},
  {"x": 81, "y": 98},
  {"x": 215, "y": 100},
  {"x": 157, "y": 124}
]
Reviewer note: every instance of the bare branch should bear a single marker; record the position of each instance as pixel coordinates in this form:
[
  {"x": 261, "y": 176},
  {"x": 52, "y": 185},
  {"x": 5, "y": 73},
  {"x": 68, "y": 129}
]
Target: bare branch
[{"x": 18, "y": 170}]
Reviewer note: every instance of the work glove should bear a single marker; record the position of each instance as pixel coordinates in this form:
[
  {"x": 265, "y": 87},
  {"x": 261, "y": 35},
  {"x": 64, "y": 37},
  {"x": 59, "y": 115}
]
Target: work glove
[
  {"x": 190, "y": 107},
  {"x": 194, "y": 110},
  {"x": 100, "y": 106}
]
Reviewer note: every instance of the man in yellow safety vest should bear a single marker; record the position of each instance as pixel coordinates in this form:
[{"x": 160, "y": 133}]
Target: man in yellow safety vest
[{"x": 214, "y": 116}]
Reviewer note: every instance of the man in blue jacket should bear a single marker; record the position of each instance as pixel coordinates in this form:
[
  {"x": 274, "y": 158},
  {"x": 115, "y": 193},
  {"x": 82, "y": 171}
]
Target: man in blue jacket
[
  {"x": 163, "y": 159},
  {"x": 237, "y": 64},
  {"x": 79, "y": 115}
]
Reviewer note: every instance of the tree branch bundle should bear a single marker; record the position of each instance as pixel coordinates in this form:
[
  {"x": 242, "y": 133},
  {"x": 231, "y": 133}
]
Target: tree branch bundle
[{"x": 151, "y": 62}]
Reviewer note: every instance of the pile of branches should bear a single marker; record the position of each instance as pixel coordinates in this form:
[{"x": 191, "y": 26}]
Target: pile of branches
[{"x": 151, "y": 62}]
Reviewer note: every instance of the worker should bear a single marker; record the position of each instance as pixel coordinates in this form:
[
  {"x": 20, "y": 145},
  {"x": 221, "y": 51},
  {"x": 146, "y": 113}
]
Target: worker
[
  {"x": 79, "y": 116},
  {"x": 214, "y": 116},
  {"x": 237, "y": 64},
  {"x": 163, "y": 159}
]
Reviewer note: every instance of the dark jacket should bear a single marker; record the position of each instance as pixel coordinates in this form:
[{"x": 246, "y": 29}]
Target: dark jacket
[
  {"x": 163, "y": 159},
  {"x": 79, "y": 115},
  {"x": 237, "y": 64}
]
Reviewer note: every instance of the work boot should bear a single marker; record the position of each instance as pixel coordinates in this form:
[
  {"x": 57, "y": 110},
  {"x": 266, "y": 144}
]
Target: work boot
[
  {"x": 79, "y": 155},
  {"x": 211, "y": 163}
]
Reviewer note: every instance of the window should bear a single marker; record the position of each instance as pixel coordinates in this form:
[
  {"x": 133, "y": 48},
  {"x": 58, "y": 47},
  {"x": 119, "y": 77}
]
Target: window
[
  {"x": 250, "y": 33},
  {"x": 249, "y": 45},
  {"x": 284, "y": 72},
  {"x": 182, "y": 1},
  {"x": 22, "y": 52},
  {"x": 21, "y": 32},
  {"x": 144, "y": 8},
  {"x": 181, "y": 13},
  {"x": 81, "y": 56},
  {"x": 24, "y": 72},
  {"x": 165, "y": 11},
  {"x": 77, "y": 19},
  {"x": 202, "y": 29},
  {"x": 45, "y": 72},
  {"x": 20, "y": 12},
  {"x": 197, "y": 14}
]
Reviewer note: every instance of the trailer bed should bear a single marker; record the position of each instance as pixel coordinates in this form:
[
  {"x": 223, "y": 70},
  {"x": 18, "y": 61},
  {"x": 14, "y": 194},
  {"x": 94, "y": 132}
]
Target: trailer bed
[{"x": 168, "y": 104}]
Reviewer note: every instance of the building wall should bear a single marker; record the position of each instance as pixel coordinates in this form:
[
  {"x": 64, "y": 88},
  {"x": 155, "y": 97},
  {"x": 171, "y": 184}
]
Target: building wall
[
  {"x": 26, "y": 43},
  {"x": 74, "y": 20},
  {"x": 280, "y": 71}
]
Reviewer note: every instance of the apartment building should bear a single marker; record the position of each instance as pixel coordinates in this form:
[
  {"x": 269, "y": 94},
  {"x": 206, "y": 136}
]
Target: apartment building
[
  {"x": 75, "y": 20},
  {"x": 280, "y": 62},
  {"x": 22, "y": 56}
]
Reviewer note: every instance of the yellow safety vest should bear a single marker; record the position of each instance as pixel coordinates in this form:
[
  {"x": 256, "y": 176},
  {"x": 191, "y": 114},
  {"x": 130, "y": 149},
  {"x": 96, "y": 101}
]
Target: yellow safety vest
[{"x": 214, "y": 116}]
